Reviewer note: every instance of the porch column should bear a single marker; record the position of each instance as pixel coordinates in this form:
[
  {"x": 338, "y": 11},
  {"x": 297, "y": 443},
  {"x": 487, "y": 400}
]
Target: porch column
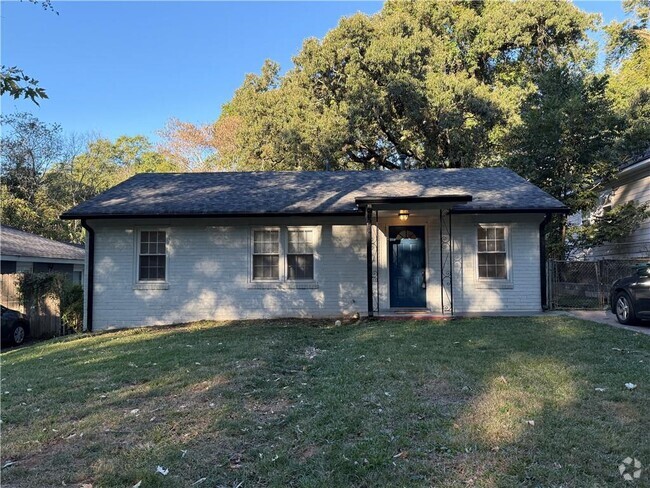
[{"x": 369, "y": 258}]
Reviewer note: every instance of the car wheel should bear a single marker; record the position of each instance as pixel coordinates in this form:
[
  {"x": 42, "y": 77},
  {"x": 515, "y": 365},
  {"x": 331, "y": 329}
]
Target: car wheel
[
  {"x": 18, "y": 334},
  {"x": 624, "y": 309}
]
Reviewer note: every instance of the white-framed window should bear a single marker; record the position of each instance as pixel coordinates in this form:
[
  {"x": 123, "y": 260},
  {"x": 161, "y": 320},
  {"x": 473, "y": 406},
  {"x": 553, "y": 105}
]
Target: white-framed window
[
  {"x": 283, "y": 254},
  {"x": 152, "y": 256},
  {"x": 266, "y": 254},
  {"x": 492, "y": 252},
  {"x": 300, "y": 254}
]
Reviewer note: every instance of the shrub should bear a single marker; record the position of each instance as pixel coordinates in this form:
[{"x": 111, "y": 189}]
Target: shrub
[{"x": 36, "y": 288}]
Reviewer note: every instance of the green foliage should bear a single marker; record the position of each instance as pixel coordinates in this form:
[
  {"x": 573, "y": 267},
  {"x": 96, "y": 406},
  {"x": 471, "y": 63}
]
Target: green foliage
[
  {"x": 564, "y": 142},
  {"x": 15, "y": 83},
  {"x": 611, "y": 226},
  {"x": 72, "y": 305},
  {"x": 421, "y": 84},
  {"x": 626, "y": 37},
  {"x": 35, "y": 288}
]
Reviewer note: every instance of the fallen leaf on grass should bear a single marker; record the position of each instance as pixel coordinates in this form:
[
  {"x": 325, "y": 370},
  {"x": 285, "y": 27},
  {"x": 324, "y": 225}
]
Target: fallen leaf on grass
[
  {"x": 599, "y": 389},
  {"x": 630, "y": 386},
  {"x": 401, "y": 455},
  {"x": 530, "y": 422},
  {"x": 162, "y": 470},
  {"x": 235, "y": 461},
  {"x": 137, "y": 485},
  {"x": 8, "y": 463}
]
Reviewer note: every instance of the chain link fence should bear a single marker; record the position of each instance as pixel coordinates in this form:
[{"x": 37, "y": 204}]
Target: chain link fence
[{"x": 585, "y": 284}]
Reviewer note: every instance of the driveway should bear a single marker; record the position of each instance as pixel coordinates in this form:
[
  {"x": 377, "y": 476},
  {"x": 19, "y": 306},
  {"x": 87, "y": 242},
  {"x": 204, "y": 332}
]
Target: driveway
[{"x": 605, "y": 317}]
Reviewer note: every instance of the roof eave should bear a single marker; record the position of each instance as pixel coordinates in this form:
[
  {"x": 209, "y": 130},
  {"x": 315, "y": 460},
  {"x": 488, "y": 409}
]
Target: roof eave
[
  {"x": 73, "y": 216},
  {"x": 540, "y": 210}
]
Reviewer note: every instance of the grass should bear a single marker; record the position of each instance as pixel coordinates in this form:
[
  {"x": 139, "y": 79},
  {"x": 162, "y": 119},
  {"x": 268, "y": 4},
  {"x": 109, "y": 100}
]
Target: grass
[{"x": 299, "y": 403}]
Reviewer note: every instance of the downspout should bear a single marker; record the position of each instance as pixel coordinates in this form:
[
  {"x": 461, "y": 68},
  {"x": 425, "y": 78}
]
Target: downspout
[
  {"x": 369, "y": 258},
  {"x": 542, "y": 259},
  {"x": 90, "y": 272}
]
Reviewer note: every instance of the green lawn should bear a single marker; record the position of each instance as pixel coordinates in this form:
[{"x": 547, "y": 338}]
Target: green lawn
[{"x": 300, "y": 403}]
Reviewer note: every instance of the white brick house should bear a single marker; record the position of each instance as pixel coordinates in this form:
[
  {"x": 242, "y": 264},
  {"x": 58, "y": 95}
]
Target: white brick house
[{"x": 172, "y": 248}]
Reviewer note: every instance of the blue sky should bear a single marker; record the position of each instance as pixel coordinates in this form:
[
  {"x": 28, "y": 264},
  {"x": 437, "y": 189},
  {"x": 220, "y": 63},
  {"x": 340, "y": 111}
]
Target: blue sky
[{"x": 116, "y": 68}]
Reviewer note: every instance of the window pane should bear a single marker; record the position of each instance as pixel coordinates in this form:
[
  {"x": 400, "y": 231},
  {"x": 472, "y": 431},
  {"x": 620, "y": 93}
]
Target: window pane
[
  {"x": 266, "y": 267},
  {"x": 300, "y": 267},
  {"x": 152, "y": 268},
  {"x": 482, "y": 233},
  {"x": 266, "y": 242},
  {"x": 300, "y": 241}
]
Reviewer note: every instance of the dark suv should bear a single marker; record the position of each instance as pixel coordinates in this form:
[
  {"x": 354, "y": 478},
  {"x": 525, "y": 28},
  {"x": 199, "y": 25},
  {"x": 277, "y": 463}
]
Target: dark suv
[{"x": 630, "y": 296}]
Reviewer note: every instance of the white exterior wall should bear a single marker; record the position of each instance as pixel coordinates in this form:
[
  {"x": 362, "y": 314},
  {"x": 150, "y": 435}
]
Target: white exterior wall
[
  {"x": 521, "y": 292},
  {"x": 208, "y": 271},
  {"x": 208, "y": 274}
]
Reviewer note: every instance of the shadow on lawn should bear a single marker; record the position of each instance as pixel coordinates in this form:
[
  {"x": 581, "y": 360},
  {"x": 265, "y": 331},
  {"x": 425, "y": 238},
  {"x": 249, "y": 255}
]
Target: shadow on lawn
[{"x": 411, "y": 403}]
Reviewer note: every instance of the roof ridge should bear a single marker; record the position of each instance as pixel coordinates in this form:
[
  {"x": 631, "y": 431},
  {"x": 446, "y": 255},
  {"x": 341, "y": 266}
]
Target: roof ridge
[{"x": 338, "y": 172}]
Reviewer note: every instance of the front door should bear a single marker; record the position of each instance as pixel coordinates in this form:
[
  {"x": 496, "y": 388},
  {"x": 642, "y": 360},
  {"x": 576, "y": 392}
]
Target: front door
[{"x": 407, "y": 266}]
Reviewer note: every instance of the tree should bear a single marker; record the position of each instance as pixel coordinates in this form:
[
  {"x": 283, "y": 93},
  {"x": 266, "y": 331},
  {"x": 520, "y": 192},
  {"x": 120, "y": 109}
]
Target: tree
[
  {"x": 628, "y": 51},
  {"x": 565, "y": 142},
  {"x": 29, "y": 146},
  {"x": 93, "y": 165},
  {"x": 44, "y": 173},
  {"x": 421, "y": 84},
  {"x": 191, "y": 147}
]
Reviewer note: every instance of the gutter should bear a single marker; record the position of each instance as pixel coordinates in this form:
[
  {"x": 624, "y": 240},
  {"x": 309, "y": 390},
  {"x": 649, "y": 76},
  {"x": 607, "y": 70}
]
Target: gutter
[
  {"x": 363, "y": 202},
  {"x": 542, "y": 259},
  {"x": 546, "y": 210},
  {"x": 173, "y": 215},
  {"x": 90, "y": 273}
]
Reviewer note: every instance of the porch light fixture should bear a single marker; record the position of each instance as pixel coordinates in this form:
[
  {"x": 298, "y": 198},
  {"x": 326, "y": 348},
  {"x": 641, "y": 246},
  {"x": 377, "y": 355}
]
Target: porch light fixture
[{"x": 403, "y": 215}]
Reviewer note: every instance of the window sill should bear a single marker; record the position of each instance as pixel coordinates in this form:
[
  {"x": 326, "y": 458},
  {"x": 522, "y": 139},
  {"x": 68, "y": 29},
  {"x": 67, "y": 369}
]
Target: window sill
[
  {"x": 505, "y": 284},
  {"x": 151, "y": 286},
  {"x": 283, "y": 285}
]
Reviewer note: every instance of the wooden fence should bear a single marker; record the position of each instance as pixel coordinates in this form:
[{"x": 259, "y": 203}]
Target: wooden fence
[{"x": 45, "y": 320}]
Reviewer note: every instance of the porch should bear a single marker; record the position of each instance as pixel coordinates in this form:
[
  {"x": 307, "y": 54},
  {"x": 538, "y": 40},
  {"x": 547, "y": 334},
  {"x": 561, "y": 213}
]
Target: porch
[{"x": 412, "y": 256}]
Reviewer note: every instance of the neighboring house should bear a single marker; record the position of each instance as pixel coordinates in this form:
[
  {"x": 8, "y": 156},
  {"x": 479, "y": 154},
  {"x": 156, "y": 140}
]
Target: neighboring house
[
  {"x": 22, "y": 252},
  {"x": 631, "y": 184},
  {"x": 171, "y": 248}
]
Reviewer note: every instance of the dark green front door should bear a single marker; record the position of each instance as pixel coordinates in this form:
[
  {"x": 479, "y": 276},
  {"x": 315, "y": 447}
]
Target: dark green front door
[{"x": 407, "y": 266}]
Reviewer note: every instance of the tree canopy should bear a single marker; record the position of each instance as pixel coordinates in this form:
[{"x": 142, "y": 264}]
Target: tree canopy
[{"x": 420, "y": 84}]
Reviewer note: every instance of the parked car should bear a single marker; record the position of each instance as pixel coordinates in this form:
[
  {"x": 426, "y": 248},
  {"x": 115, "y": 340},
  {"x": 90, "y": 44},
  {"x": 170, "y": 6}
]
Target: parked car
[
  {"x": 630, "y": 296},
  {"x": 15, "y": 327}
]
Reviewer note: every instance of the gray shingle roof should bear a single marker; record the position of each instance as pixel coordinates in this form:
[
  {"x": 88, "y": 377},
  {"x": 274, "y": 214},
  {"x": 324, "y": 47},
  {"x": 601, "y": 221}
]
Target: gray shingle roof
[
  {"x": 310, "y": 192},
  {"x": 14, "y": 242}
]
